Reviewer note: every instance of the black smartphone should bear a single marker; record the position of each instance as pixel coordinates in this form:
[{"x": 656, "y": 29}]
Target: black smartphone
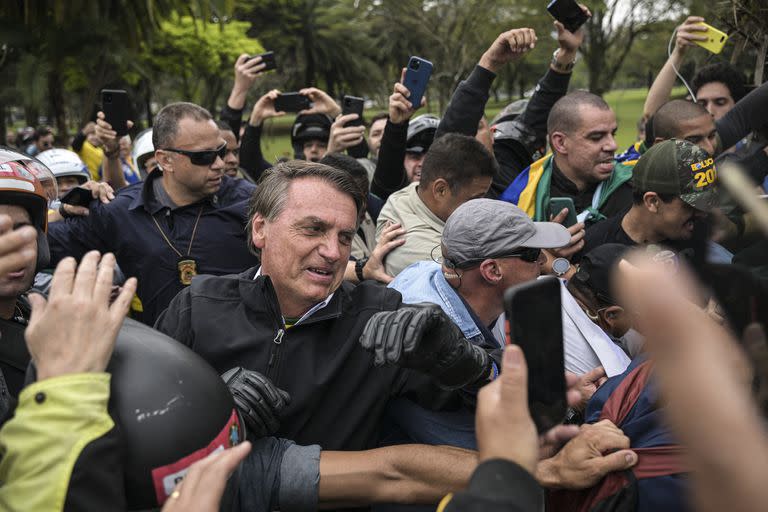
[
  {"x": 535, "y": 323},
  {"x": 117, "y": 109},
  {"x": 78, "y": 196},
  {"x": 556, "y": 205},
  {"x": 353, "y": 105},
  {"x": 416, "y": 79},
  {"x": 267, "y": 58},
  {"x": 568, "y": 13},
  {"x": 292, "y": 102}
]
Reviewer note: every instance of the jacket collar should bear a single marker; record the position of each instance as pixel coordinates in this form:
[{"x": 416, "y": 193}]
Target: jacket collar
[{"x": 147, "y": 200}]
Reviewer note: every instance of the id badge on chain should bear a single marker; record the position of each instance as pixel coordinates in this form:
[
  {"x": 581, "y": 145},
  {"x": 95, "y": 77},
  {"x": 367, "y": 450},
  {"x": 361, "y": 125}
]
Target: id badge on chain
[{"x": 187, "y": 270}]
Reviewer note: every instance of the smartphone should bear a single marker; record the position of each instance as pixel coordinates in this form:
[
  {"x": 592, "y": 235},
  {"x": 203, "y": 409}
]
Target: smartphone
[
  {"x": 568, "y": 13},
  {"x": 292, "y": 102},
  {"x": 353, "y": 105},
  {"x": 78, "y": 196},
  {"x": 416, "y": 79},
  {"x": 534, "y": 322},
  {"x": 267, "y": 58},
  {"x": 556, "y": 205},
  {"x": 117, "y": 109},
  {"x": 715, "y": 39}
]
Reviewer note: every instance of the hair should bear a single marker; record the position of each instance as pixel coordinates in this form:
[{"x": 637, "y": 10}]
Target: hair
[
  {"x": 722, "y": 72},
  {"x": 225, "y": 127},
  {"x": 565, "y": 115},
  {"x": 666, "y": 120},
  {"x": 637, "y": 196},
  {"x": 378, "y": 117},
  {"x": 583, "y": 291},
  {"x": 458, "y": 159},
  {"x": 349, "y": 165},
  {"x": 42, "y": 131},
  {"x": 166, "y": 123},
  {"x": 268, "y": 200}
]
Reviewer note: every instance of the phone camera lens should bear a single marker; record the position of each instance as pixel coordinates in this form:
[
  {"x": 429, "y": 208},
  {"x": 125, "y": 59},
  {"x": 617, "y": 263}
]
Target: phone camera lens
[
  {"x": 415, "y": 64},
  {"x": 722, "y": 38}
]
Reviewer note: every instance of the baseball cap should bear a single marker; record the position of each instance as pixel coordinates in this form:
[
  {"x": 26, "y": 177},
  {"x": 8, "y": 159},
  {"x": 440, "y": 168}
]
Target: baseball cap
[
  {"x": 596, "y": 268},
  {"x": 487, "y": 228},
  {"x": 681, "y": 168}
]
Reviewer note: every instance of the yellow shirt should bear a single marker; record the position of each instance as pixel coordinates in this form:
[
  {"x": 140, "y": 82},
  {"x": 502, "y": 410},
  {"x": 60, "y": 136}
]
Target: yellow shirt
[{"x": 92, "y": 157}]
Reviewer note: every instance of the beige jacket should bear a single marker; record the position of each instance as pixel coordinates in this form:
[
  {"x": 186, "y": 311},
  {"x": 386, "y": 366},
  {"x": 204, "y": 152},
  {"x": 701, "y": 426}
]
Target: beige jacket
[
  {"x": 363, "y": 248},
  {"x": 423, "y": 229}
]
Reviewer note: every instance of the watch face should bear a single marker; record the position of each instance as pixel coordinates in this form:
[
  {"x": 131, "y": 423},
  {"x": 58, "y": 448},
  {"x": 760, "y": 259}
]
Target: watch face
[{"x": 560, "y": 266}]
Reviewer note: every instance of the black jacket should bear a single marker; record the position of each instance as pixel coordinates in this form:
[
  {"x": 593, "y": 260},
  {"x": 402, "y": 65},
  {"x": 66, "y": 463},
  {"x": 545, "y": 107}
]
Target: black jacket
[{"x": 337, "y": 396}]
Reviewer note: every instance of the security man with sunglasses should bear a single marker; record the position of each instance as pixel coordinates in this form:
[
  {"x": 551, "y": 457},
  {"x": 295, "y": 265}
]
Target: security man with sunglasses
[
  {"x": 486, "y": 247},
  {"x": 185, "y": 220}
]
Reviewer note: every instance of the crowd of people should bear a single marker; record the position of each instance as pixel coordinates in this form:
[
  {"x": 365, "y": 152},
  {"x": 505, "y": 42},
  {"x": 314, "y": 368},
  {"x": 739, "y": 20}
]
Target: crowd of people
[{"x": 211, "y": 329}]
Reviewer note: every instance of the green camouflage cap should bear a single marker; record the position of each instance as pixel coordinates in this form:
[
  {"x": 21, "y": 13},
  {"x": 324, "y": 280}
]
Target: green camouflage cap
[{"x": 681, "y": 168}]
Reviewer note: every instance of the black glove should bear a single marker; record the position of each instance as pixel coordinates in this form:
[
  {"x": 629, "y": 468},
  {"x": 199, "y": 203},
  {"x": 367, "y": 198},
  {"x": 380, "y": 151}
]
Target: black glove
[
  {"x": 257, "y": 399},
  {"x": 423, "y": 338}
]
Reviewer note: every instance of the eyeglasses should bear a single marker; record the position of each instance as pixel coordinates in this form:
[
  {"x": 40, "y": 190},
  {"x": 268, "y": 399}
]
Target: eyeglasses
[
  {"x": 527, "y": 254},
  {"x": 205, "y": 157}
]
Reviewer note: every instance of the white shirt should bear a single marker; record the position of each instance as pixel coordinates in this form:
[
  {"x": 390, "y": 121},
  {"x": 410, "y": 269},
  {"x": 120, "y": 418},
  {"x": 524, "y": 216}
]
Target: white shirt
[{"x": 312, "y": 310}]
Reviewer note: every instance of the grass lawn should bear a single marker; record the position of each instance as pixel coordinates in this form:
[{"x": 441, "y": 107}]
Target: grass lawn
[{"x": 626, "y": 103}]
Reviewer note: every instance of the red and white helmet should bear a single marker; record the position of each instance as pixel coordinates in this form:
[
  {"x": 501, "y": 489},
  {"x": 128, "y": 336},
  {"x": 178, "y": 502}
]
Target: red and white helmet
[{"x": 26, "y": 182}]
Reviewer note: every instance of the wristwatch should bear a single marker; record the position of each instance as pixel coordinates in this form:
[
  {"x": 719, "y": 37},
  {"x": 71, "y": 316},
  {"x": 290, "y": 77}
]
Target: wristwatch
[
  {"x": 563, "y": 68},
  {"x": 561, "y": 266},
  {"x": 359, "y": 264}
]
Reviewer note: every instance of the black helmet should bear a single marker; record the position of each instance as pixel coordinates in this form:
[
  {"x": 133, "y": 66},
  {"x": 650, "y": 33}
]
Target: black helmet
[
  {"x": 172, "y": 409},
  {"x": 309, "y": 127}
]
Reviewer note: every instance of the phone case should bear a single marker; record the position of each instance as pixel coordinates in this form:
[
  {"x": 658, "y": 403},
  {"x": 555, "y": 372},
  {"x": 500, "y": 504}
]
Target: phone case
[
  {"x": 556, "y": 204},
  {"x": 291, "y": 102},
  {"x": 416, "y": 79},
  {"x": 268, "y": 59},
  {"x": 568, "y": 13},
  {"x": 353, "y": 105},
  {"x": 716, "y": 39},
  {"x": 117, "y": 109}
]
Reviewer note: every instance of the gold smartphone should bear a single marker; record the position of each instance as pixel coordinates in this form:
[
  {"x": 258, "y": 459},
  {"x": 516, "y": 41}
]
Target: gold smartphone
[{"x": 715, "y": 39}]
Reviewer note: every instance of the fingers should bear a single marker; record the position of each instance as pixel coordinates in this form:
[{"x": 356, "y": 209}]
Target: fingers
[
  {"x": 617, "y": 461},
  {"x": 560, "y": 435},
  {"x": 86, "y": 275},
  {"x": 16, "y": 249},
  {"x": 63, "y": 278},
  {"x": 560, "y": 217},
  {"x": 104, "y": 278},
  {"x": 38, "y": 303},
  {"x": 514, "y": 380},
  {"x": 595, "y": 375},
  {"x": 121, "y": 305},
  {"x": 79, "y": 211}
]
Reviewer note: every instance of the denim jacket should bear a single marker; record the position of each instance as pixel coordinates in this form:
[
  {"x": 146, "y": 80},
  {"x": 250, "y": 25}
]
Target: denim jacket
[{"x": 424, "y": 282}]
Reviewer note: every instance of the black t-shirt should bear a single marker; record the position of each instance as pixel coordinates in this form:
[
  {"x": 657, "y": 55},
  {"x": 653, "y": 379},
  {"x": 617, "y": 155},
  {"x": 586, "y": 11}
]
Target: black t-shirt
[
  {"x": 617, "y": 202},
  {"x": 609, "y": 231}
]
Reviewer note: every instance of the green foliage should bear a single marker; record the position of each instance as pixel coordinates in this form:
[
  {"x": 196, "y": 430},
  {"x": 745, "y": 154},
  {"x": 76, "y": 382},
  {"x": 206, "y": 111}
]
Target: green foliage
[{"x": 191, "y": 59}]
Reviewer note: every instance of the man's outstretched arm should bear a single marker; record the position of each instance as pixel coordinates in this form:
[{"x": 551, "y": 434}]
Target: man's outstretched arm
[{"x": 416, "y": 474}]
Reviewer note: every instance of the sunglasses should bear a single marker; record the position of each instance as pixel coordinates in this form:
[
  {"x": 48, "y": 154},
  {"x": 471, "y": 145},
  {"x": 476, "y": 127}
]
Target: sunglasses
[
  {"x": 205, "y": 157},
  {"x": 527, "y": 254}
]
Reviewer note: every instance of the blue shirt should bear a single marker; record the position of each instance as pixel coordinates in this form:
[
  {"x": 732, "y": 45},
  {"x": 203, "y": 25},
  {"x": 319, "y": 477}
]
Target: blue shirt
[{"x": 125, "y": 228}]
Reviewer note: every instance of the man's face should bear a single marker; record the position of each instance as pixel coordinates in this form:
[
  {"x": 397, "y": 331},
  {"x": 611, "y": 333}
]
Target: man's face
[
  {"x": 45, "y": 142},
  {"x": 232, "y": 158},
  {"x": 314, "y": 150},
  {"x": 65, "y": 184},
  {"x": 17, "y": 282},
  {"x": 675, "y": 219},
  {"x": 412, "y": 165},
  {"x": 374, "y": 136},
  {"x": 305, "y": 249},
  {"x": 591, "y": 147},
  {"x": 516, "y": 271},
  {"x": 700, "y": 131},
  {"x": 716, "y": 98},
  {"x": 198, "y": 180},
  {"x": 477, "y": 188}
]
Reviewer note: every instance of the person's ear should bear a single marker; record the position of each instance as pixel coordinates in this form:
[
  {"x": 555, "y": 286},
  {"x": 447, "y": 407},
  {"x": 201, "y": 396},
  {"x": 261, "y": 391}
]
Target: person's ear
[
  {"x": 440, "y": 189},
  {"x": 491, "y": 271},
  {"x": 558, "y": 141},
  {"x": 611, "y": 317},
  {"x": 657, "y": 140},
  {"x": 651, "y": 201},
  {"x": 164, "y": 159},
  {"x": 258, "y": 231}
]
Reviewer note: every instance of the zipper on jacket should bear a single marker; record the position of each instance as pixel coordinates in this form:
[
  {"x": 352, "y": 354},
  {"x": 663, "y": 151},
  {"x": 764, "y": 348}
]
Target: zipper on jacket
[{"x": 273, "y": 365}]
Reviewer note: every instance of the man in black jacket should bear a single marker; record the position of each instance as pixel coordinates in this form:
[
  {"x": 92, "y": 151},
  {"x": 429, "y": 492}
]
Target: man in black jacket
[{"x": 295, "y": 322}]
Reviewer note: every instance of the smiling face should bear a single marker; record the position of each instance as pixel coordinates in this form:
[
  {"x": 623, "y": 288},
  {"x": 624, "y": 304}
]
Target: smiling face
[
  {"x": 305, "y": 249},
  {"x": 17, "y": 282},
  {"x": 586, "y": 153}
]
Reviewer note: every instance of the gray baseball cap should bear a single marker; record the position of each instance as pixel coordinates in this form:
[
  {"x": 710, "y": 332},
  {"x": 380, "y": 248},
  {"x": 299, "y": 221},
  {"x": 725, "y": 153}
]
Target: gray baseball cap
[{"x": 487, "y": 228}]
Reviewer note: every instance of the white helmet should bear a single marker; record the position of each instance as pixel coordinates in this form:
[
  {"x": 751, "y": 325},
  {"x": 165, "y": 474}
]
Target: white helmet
[
  {"x": 63, "y": 162},
  {"x": 142, "y": 148}
]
